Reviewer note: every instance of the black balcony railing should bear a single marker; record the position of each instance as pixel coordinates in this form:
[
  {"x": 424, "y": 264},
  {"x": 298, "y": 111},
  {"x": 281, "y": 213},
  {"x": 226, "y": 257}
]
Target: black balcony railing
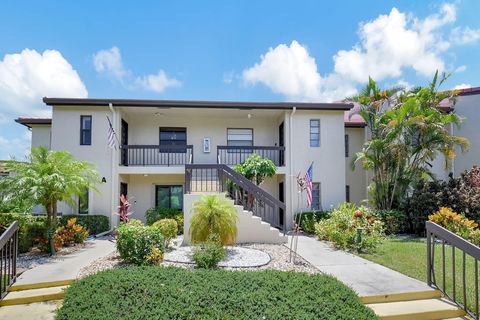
[
  {"x": 231, "y": 155},
  {"x": 8, "y": 258},
  {"x": 156, "y": 155}
]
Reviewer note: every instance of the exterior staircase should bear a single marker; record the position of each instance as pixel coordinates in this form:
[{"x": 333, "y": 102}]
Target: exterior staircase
[
  {"x": 35, "y": 292},
  {"x": 420, "y": 305}
]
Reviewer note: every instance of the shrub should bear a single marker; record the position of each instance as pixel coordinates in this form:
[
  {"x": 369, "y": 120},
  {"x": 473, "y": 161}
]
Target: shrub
[
  {"x": 309, "y": 219},
  {"x": 213, "y": 215},
  {"x": 31, "y": 228},
  {"x": 209, "y": 254},
  {"x": 394, "y": 221},
  {"x": 474, "y": 237},
  {"x": 175, "y": 293},
  {"x": 155, "y": 214},
  {"x": 341, "y": 228},
  {"x": 72, "y": 232},
  {"x": 95, "y": 223},
  {"x": 168, "y": 228},
  {"x": 136, "y": 242},
  {"x": 454, "y": 222},
  {"x": 44, "y": 245}
]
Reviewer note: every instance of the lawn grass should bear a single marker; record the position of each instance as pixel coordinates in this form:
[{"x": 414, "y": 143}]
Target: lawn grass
[
  {"x": 175, "y": 293},
  {"x": 410, "y": 257}
]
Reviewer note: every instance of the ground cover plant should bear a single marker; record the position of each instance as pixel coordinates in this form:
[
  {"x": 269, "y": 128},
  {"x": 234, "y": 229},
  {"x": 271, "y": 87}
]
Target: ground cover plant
[
  {"x": 409, "y": 256},
  {"x": 208, "y": 254},
  {"x": 173, "y": 293}
]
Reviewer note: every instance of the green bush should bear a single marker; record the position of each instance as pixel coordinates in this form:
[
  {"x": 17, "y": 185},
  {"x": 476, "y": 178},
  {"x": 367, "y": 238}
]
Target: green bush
[
  {"x": 31, "y": 228},
  {"x": 155, "y": 214},
  {"x": 309, "y": 219},
  {"x": 394, "y": 221},
  {"x": 136, "y": 243},
  {"x": 95, "y": 223},
  {"x": 168, "y": 228},
  {"x": 174, "y": 293},
  {"x": 209, "y": 254},
  {"x": 341, "y": 228}
]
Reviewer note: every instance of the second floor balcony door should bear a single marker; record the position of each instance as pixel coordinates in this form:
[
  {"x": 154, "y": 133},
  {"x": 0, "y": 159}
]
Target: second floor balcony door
[{"x": 173, "y": 136}]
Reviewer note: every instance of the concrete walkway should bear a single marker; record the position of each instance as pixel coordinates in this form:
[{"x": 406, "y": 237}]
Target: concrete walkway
[
  {"x": 67, "y": 267},
  {"x": 365, "y": 277}
]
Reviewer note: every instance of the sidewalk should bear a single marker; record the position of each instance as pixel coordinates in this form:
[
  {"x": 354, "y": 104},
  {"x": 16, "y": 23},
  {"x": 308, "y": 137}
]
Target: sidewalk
[
  {"x": 67, "y": 267},
  {"x": 365, "y": 277}
]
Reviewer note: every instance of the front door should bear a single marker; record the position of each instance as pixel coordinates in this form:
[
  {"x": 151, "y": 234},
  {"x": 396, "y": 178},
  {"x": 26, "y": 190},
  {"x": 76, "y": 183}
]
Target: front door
[
  {"x": 124, "y": 141},
  {"x": 281, "y": 143},
  {"x": 281, "y": 197}
]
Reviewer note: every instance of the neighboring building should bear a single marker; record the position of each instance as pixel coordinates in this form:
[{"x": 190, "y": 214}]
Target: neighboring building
[{"x": 160, "y": 138}]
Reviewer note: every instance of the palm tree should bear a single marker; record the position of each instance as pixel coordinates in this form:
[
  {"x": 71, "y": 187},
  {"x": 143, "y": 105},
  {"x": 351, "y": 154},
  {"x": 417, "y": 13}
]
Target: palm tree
[
  {"x": 49, "y": 177},
  {"x": 407, "y": 131},
  {"x": 213, "y": 215}
]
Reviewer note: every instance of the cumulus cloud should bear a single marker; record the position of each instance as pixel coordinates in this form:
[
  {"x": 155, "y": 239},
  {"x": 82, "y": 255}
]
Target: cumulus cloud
[
  {"x": 462, "y": 86},
  {"x": 18, "y": 147},
  {"x": 28, "y": 76},
  {"x": 109, "y": 62},
  {"x": 291, "y": 71},
  {"x": 465, "y": 35},
  {"x": 388, "y": 46}
]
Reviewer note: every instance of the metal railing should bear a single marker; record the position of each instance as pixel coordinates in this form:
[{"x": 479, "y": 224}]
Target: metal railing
[
  {"x": 231, "y": 155},
  {"x": 8, "y": 258},
  {"x": 445, "y": 263},
  {"x": 221, "y": 178},
  {"x": 155, "y": 155}
]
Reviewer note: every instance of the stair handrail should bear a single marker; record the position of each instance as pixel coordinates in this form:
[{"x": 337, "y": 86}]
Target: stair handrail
[
  {"x": 8, "y": 257},
  {"x": 438, "y": 234}
]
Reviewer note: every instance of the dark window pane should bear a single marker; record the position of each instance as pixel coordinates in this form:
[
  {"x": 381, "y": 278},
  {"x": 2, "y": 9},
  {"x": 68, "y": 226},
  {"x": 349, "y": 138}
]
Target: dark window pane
[
  {"x": 315, "y": 133},
  {"x": 176, "y": 197},
  {"x": 83, "y": 203},
  {"x": 347, "y": 146},
  {"x": 85, "y": 130},
  {"x": 169, "y": 197},
  {"x": 163, "y": 197}
]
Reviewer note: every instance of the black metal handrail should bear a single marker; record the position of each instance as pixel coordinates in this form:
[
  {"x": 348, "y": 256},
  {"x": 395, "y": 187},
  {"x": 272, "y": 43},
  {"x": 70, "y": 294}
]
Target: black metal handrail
[
  {"x": 436, "y": 234},
  {"x": 221, "y": 178},
  {"x": 8, "y": 258},
  {"x": 231, "y": 155},
  {"x": 156, "y": 155}
]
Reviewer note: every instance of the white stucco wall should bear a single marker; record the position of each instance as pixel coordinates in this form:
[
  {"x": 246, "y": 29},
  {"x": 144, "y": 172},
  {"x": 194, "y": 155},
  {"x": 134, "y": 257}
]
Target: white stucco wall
[
  {"x": 355, "y": 178},
  {"x": 41, "y": 136}
]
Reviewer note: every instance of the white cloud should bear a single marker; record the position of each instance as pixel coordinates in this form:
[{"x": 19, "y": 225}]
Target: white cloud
[
  {"x": 157, "y": 82},
  {"x": 465, "y": 35},
  {"x": 28, "y": 76},
  {"x": 109, "y": 62},
  {"x": 292, "y": 72},
  {"x": 3, "y": 118},
  {"x": 462, "y": 86},
  {"x": 461, "y": 69},
  {"x": 18, "y": 147}
]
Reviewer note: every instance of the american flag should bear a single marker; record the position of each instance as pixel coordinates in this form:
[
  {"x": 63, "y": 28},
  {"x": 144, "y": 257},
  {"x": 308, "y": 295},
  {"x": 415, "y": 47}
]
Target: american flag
[
  {"x": 111, "y": 135},
  {"x": 308, "y": 181}
]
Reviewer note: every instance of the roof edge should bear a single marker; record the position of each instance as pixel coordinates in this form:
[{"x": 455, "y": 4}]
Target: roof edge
[{"x": 28, "y": 122}]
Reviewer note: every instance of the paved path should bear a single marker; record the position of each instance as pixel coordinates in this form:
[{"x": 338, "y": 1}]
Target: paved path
[
  {"x": 365, "y": 277},
  {"x": 67, "y": 267}
]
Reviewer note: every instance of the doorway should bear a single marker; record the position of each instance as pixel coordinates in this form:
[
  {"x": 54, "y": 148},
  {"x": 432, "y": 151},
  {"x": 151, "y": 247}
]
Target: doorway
[{"x": 281, "y": 197}]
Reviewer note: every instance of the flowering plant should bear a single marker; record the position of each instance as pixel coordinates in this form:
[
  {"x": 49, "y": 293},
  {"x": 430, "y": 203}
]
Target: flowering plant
[
  {"x": 44, "y": 245},
  {"x": 72, "y": 232},
  {"x": 454, "y": 222}
]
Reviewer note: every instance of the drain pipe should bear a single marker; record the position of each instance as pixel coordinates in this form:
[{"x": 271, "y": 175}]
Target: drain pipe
[{"x": 290, "y": 139}]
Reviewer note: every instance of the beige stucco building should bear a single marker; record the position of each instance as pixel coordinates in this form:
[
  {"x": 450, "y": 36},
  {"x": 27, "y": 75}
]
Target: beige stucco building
[{"x": 158, "y": 142}]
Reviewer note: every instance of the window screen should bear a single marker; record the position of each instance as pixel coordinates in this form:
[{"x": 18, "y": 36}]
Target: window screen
[{"x": 240, "y": 137}]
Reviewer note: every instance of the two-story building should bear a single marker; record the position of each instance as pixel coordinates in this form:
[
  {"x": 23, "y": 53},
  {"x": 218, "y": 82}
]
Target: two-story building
[{"x": 165, "y": 149}]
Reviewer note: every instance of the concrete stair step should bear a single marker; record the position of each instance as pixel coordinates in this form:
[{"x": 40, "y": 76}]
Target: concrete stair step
[
  {"x": 403, "y": 296},
  {"x": 424, "y": 309},
  {"x": 33, "y": 311},
  {"x": 33, "y": 295}
]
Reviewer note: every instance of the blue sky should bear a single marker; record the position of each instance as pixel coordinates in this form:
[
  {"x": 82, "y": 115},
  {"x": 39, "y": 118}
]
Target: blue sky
[{"x": 224, "y": 50}]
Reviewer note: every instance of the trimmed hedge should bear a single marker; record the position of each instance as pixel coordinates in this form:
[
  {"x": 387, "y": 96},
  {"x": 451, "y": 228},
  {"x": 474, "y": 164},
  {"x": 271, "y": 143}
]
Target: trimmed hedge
[
  {"x": 175, "y": 293},
  {"x": 95, "y": 223},
  {"x": 30, "y": 228},
  {"x": 310, "y": 218}
]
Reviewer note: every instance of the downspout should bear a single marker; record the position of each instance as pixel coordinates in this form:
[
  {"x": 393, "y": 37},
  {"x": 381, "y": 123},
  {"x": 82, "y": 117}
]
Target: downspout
[
  {"x": 452, "y": 127},
  {"x": 113, "y": 171},
  {"x": 290, "y": 166}
]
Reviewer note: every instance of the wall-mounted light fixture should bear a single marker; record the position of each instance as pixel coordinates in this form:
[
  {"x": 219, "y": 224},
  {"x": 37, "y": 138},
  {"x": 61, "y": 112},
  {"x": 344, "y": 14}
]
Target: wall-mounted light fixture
[{"x": 104, "y": 180}]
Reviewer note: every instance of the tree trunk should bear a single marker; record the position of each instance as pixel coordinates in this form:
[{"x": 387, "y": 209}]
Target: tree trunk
[{"x": 51, "y": 214}]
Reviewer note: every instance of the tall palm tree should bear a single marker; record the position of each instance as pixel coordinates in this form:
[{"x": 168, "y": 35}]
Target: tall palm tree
[{"x": 49, "y": 177}]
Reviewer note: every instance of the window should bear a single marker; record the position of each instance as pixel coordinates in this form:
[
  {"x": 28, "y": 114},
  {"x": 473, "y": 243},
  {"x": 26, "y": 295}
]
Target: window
[
  {"x": 240, "y": 137},
  {"x": 173, "y": 136},
  {"x": 316, "y": 201},
  {"x": 85, "y": 130},
  {"x": 315, "y": 133},
  {"x": 83, "y": 203},
  {"x": 347, "y": 146},
  {"x": 347, "y": 193},
  {"x": 169, "y": 197}
]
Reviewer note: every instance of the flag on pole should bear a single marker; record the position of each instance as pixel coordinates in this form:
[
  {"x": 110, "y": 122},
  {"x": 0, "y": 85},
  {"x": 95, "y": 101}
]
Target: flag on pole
[
  {"x": 111, "y": 135},
  {"x": 309, "y": 184}
]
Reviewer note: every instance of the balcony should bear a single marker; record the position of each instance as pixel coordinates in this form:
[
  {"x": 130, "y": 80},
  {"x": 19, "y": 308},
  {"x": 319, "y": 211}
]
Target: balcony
[
  {"x": 155, "y": 155},
  {"x": 232, "y": 155}
]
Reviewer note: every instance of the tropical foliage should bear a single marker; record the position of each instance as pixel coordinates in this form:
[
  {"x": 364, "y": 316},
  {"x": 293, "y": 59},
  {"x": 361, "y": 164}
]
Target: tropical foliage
[
  {"x": 407, "y": 130},
  {"x": 208, "y": 254},
  {"x": 168, "y": 228},
  {"x": 72, "y": 232},
  {"x": 31, "y": 228},
  {"x": 351, "y": 227},
  {"x": 456, "y": 223},
  {"x": 49, "y": 177},
  {"x": 256, "y": 168},
  {"x": 307, "y": 220},
  {"x": 155, "y": 214},
  {"x": 124, "y": 209},
  {"x": 213, "y": 215}
]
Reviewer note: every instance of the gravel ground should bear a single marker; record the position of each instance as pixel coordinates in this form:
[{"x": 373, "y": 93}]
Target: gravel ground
[
  {"x": 279, "y": 261},
  {"x": 35, "y": 257}
]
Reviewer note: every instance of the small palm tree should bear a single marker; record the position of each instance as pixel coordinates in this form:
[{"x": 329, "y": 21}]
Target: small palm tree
[
  {"x": 213, "y": 215},
  {"x": 49, "y": 177}
]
